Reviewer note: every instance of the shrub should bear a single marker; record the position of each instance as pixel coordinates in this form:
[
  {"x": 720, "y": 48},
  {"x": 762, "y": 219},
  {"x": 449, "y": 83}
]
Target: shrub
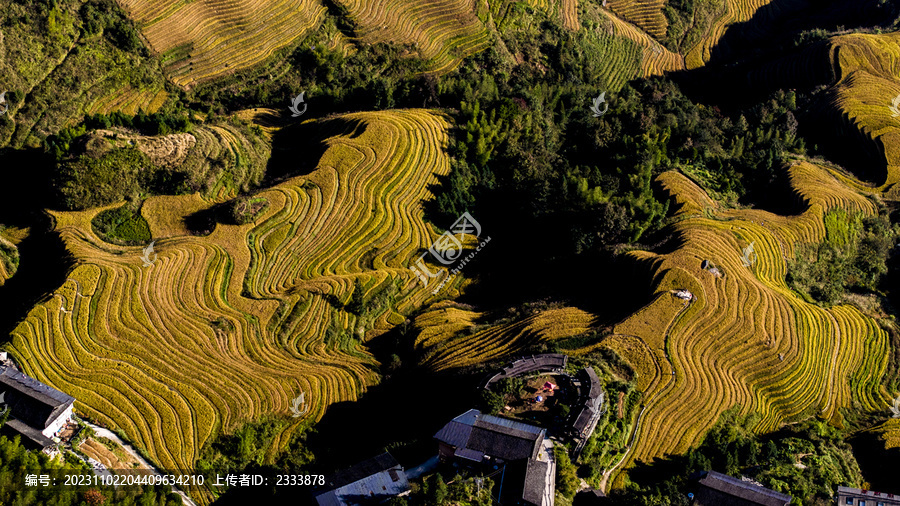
[{"x": 122, "y": 225}]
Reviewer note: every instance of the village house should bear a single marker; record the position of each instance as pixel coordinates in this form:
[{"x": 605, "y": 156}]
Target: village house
[
  {"x": 518, "y": 452},
  {"x": 591, "y": 403},
  {"x": 847, "y": 496},
  {"x": 37, "y": 412},
  {"x": 717, "y": 489},
  {"x": 369, "y": 481}
]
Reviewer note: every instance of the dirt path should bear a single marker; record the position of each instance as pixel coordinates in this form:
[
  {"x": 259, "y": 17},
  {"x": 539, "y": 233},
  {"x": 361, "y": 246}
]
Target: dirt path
[{"x": 100, "y": 431}]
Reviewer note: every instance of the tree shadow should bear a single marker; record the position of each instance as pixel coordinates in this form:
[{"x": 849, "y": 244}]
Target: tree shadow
[
  {"x": 297, "y": 149},
  {"x": 400, "y": 414}
]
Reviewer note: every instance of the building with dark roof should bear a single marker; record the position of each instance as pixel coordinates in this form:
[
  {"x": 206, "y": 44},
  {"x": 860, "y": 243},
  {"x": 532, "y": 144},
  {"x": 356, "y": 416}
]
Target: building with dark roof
[
  {"x": 480, "y": 438},
  {"x": 37, "y": 411},
  {"x": 717, "y": 489},
  {"x": 378, "y": 478},
  {"x": 848, "y": 496},
  {"x": 546, "y": 362},
  {"x": 589, "y": 407},
  {"x": 518, "y": 449}
]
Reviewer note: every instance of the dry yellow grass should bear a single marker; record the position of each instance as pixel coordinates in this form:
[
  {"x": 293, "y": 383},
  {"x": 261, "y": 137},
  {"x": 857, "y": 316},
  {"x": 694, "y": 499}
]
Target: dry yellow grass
[{"x": 165, "y": 213}]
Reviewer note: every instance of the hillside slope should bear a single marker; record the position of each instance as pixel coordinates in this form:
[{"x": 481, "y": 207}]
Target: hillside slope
[{"x": 225, "y": 328}]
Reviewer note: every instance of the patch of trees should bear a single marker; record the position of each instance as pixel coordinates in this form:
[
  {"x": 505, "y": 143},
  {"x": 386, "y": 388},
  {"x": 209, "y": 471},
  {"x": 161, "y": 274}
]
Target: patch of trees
[
  {"x": 60, "y": 144},
  {"x": 807, "y": 461},
  {"x": 16, "y": 462},
  {"x": 86, "y": 181},
  {"x": 245, "y": 450},
  {"x": 567, "y": 481},
  {"x": 853, "y": 257},
  {"x": 162, "y": 123},
  {"x": 107, "y": 18},
  {"x": 243, "y": 210},
  {"x": 689, "y": 21},
  {"x": 434, "y": 491},
  {"x": 123, "y": 225},
  {"x": 95, "y": 169},
  {"x": 533, "y": 155}
]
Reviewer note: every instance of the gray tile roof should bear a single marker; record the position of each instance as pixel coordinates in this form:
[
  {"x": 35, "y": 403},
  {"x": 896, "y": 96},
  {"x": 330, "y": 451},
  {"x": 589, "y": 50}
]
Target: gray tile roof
[
  {"x": 747, "y": 493},
  {"x": 512, "y": 424},
  {"x": 504, "y": 442},
  {"x": 495, "y": 435},
  {"x": 361, "y": 470},
  {"x": 31, "y": 401},
  {"x": 535, "y": 481},
  {"x": 31, "y": 437}
]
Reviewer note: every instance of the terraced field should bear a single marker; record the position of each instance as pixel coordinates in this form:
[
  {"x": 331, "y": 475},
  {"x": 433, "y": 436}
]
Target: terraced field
[
  {"x": 202, "y": 40},
  {"x": 866, "y": 68},
  {"x": 656, "y": 59},
  {"x": 645, "y": 14},
  {"x": 444, "y": 342},
  {"x": 890, "y": 433},
  {"x": 734, "y": 11},
  {"x": 564, "y": 10},
  {"x": 129, "y": 100},
  {"x": 747, "y": 339},
  {"x": 441, "y": 31},
  {"x": 224, "y": 328}
]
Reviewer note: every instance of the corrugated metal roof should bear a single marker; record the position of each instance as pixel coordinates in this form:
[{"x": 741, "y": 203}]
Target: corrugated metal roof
[
  {"x": 468, "y": 417},
  {"x": 503, "y": 422},
  {"x": 466, "y": 453},
  {"x": 454, "y": 433}
]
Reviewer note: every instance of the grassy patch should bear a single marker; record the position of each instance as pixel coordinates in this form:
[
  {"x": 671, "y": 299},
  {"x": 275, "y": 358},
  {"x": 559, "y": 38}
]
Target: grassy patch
[
  {"x": 122, "y": 225},
  {"x": 853, "y": 256}
]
